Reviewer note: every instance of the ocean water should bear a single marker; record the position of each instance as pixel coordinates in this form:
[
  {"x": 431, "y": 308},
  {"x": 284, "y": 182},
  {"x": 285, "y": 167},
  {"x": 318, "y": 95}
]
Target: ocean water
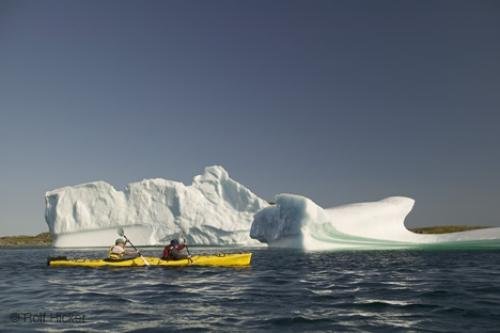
[{"x": 374, "y": 291}]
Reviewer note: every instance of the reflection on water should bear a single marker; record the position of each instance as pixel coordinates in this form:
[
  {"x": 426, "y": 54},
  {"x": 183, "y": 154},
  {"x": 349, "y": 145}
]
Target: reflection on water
[{"x": 283, "y": 290}]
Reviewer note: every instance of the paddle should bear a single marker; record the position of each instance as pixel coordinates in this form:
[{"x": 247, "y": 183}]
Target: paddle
[
  {"x": 187, "y": 249},
  {"x": 121, "y": 233}
]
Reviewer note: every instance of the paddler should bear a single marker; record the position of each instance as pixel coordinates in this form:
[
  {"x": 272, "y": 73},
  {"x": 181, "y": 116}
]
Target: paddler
[
  {"x": 118, "y": 251},
  {"x": 176, "y": 250}
]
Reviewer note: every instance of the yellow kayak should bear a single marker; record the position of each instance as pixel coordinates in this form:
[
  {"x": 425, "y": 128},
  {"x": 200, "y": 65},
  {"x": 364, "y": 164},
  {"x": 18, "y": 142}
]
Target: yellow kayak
[{"x": 220, "y": 260}]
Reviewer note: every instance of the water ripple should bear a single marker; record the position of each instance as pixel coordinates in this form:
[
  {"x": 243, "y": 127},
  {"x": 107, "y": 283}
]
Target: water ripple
[{"x": 350, "y": 291}]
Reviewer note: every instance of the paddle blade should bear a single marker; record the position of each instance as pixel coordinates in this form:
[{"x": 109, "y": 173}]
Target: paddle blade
[{"x": 120, "y": 232}]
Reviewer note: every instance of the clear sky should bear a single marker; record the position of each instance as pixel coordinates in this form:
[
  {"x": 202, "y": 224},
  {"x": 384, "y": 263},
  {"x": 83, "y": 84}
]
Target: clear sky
[{"x": 341, "y": 101}]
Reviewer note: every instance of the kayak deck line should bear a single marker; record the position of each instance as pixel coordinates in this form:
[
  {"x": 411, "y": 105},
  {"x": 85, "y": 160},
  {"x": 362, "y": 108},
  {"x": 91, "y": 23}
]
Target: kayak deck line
[{"x": 212, "y": 260}]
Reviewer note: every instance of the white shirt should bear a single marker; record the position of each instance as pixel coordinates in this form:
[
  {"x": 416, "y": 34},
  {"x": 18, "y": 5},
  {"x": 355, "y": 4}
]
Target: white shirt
[{"x": 118, "y": 249}]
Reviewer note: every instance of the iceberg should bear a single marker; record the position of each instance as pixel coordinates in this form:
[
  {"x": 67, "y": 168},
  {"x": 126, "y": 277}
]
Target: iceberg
[
  {"x": 297, "y": 222},
  {"x": 217, "y": 210},
  {"x": 213, "y": 210}
]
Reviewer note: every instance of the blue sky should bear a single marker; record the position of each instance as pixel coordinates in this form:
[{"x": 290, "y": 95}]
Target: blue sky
[{"x": 341, "y": 101}]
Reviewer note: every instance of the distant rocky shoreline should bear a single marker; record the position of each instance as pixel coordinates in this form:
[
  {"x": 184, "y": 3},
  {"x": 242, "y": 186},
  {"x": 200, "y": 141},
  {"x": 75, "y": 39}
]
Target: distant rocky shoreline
[
  {"x": 446, "y": 229},
  {"x": 42, "y": 239},
  {"x": 45, "y": 239}
]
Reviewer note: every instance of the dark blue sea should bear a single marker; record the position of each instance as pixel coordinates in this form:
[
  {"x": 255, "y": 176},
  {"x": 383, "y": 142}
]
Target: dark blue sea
[{"x": 377, "y": 291}]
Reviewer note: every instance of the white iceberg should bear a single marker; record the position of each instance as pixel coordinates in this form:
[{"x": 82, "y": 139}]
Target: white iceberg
[
  {"x": 214, "y": 210},
  {"x": 297, "y": 222}
]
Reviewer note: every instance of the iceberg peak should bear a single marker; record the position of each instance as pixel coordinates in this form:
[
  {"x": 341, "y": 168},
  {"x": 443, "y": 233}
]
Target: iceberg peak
[{"x": 212, "y": 173}]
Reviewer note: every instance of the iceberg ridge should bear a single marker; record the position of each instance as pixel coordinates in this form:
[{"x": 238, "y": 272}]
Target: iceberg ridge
[{"x": 297, "y": 222}]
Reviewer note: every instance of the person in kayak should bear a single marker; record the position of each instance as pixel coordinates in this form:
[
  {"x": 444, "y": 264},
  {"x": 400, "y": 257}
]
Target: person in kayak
[
  {"x": 118, "y": 251},
  {"x": 175, "y": 250}
]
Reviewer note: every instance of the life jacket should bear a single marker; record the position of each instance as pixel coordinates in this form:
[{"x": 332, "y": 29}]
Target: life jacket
[
  {"x": 114, "y": 255},
  {"x": 166, "y": 251},
  {"x": 169, "y": 250}
]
